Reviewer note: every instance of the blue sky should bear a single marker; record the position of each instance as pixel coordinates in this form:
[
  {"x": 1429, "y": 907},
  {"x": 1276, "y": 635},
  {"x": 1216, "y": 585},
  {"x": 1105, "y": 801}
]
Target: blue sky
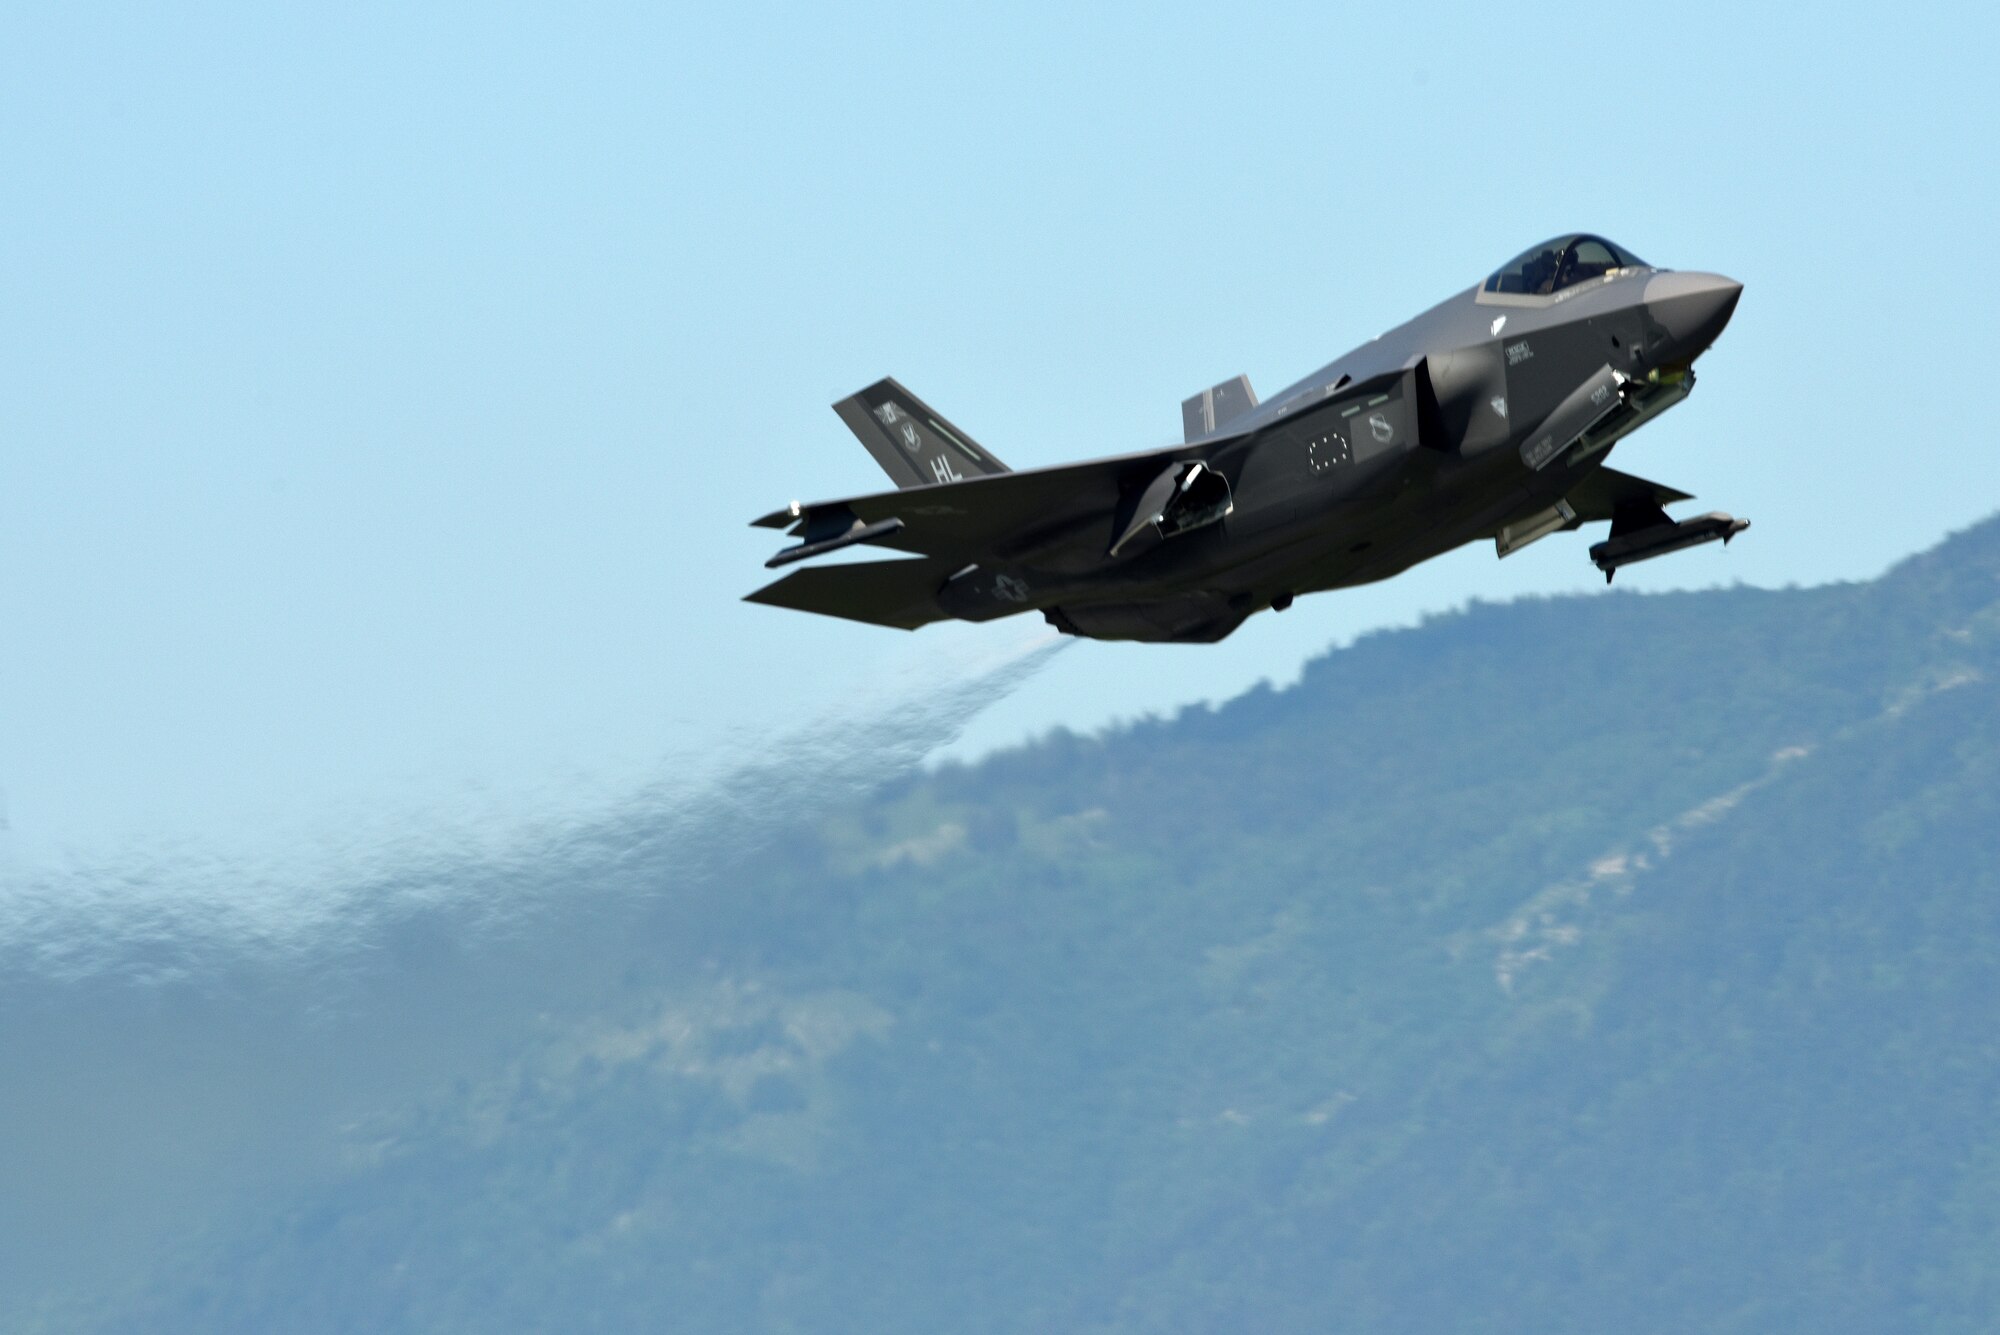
[{"x": 385, "y": 390}]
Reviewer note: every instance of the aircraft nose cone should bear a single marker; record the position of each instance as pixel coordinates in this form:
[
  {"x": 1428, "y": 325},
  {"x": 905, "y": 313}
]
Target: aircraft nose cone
[{"x": 1693, "y": 308}]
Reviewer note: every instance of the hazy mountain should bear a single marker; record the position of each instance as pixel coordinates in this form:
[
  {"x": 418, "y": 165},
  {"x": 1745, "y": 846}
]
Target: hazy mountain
[{"x": 1605, "y": 963}]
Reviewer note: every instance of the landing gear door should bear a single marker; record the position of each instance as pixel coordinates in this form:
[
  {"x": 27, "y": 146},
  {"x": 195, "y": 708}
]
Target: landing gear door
[{"x": 1587, "y": 405}]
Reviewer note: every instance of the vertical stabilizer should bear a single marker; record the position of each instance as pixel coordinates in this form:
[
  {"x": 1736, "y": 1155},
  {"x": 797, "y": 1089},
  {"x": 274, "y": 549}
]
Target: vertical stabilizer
[
  {"x": 1213, "y": 409},
  {"x": 915, "y": 446}
]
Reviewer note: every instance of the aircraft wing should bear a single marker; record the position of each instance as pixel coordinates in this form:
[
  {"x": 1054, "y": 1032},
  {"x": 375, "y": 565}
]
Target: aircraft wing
[
  {"x": 1077, "y": 510},
  {"x": 994, "y": 516},
  {"x": 1001, "y": 515}
]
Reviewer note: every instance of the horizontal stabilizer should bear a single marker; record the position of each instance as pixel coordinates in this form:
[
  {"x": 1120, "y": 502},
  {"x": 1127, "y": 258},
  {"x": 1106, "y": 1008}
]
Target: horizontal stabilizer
[
  {"x": 1212, "y": 409},
  {"x": 915, "y": 446},
  {"x": 846, "y": 537},
  {"x": 902, "y": 594}
]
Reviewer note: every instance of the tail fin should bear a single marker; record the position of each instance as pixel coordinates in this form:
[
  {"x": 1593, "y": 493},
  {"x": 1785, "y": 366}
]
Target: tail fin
[
  {"x": 915, "y": 446},
  {"x": 1212, "y": 409}
]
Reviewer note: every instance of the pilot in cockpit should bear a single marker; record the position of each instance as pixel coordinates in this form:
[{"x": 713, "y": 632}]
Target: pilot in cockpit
[
  {"x": 1559, "y": 264},
  {"x": 1539, "y": 274}
]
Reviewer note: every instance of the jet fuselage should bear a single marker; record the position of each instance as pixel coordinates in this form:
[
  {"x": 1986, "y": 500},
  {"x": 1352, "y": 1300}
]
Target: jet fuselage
[{"x": 1484, "y": 417}]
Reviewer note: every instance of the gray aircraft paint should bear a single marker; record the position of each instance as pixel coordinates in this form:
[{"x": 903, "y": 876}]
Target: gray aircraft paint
[{"x": 1488, "y": 416}]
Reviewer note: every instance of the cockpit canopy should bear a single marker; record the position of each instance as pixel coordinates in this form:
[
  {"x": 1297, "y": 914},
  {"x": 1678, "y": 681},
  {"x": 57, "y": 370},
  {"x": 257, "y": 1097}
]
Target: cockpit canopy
[{"x": 1563, "y": 262}]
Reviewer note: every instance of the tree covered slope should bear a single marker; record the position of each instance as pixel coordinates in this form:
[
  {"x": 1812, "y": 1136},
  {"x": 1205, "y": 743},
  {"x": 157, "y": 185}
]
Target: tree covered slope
[{"x": 1608, "y": 963}]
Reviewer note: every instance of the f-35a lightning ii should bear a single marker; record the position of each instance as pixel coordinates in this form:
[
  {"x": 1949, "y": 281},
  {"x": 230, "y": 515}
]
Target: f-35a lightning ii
[{"x": 1489, "y": 416}]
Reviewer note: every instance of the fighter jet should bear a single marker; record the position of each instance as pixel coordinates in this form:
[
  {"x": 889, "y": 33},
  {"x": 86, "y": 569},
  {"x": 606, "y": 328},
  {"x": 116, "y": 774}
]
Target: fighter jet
[{"x": 1487, "y": 418}]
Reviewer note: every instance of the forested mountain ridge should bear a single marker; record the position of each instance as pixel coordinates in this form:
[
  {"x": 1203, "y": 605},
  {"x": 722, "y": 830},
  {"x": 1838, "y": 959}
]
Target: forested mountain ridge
[{"x": 1603, "y": 963}]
